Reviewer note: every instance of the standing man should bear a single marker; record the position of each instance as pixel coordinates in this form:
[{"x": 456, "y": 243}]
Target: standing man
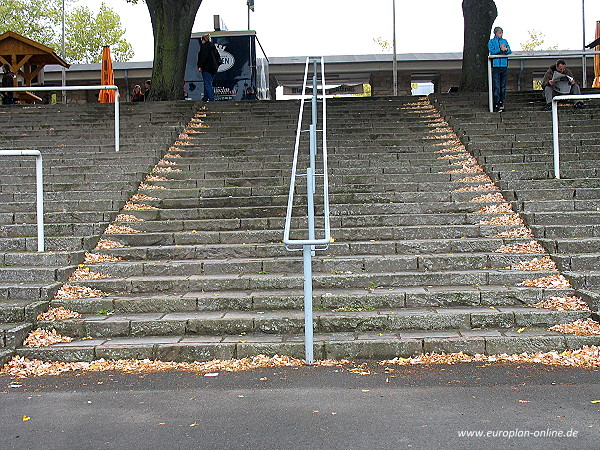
[
  {"x": 8, "y": 81},
  {"x": 209, "y": 61},
  {"x": 559, "y": 80},
  {"x": 499, "y": 46}
]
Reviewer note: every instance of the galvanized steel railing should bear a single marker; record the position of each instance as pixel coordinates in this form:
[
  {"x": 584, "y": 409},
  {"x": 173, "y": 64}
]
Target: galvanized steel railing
[
  {"x": 312, "y": 243},
  {"x": 39, "y": 189},
  {"x": 76, "y": 88},
  {"x": 555, "y": 136}
]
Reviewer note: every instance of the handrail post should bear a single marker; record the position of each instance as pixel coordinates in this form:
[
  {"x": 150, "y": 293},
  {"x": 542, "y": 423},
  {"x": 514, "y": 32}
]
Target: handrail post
[
  {"x": 313, "y": 154},
  {"x": 117, "y": 121},
  {"x": 39, "y": 182},
  {"x": 308, "y": 253},
  {"x": 555, "y": 139},
  {"x": 314, "y": 96},
  {"x": 490, "y": 83}
]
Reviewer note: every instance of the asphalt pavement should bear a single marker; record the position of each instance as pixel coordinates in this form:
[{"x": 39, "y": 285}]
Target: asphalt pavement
[{"x": 465, "y": 406}]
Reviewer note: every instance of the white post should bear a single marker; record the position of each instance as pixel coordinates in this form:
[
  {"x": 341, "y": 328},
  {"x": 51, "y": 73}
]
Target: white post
[
  {"x": 583, "y": 58},
  {"x": 63, "y": 72},
  {"x": 490, "y": 93},
  {"x": 394, "y": 57},
  {"x": 555, "y": 139},
  {"x": 39, "y": 182}
]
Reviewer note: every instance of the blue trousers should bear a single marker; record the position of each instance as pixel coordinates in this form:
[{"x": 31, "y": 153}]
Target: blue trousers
[
  {"x": 499, "y": 76},
  {"x": 209, "y": 92}
]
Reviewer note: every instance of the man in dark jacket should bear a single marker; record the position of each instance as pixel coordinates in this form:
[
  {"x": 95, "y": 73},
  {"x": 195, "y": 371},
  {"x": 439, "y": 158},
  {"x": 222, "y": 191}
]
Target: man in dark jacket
[
  {"x": 8, "y": 81},
  {"x": 209, "y": 61},
  {"x": 553, "y": 79}
]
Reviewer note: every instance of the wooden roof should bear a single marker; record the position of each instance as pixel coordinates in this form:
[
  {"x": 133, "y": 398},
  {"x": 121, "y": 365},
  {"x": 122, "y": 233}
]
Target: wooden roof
[{"x": 13, "y": 47}]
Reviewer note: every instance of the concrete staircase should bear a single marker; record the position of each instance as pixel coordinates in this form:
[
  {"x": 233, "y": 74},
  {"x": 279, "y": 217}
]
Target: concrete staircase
[
  {"x": 85, "y": 183},
  {"x": 412, "y": 269}
]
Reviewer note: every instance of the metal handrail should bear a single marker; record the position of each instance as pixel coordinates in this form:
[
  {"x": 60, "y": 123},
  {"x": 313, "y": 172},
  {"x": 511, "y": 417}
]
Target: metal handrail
[
  {"x": 39, "y": 189},
  {"x": 308, "y": 246},
  {"x": 555, "y": 138},
  {"x": 563, "y": 55},
  {"x": 110, "y": 87}
]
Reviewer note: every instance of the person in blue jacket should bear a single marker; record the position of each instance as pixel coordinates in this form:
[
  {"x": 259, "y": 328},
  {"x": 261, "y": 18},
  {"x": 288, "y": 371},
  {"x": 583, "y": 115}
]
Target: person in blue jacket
[{"x": 499, "y": 46}]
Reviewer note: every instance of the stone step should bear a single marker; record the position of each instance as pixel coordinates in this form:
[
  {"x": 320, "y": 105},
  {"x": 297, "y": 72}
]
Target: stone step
[
  {"x": 27, "y": 274},
  {"x": 357, "y": 346},
  {"x": 225, "y": 282},
  {"x": 21, "y": 310},
  {"x": 220, "y": 323},
  {"x": 334, "y": 265},
  {"x": 334, "y": 298},
  {"x": 41, "y": 258},
  {"x": 12, "y": 335}
]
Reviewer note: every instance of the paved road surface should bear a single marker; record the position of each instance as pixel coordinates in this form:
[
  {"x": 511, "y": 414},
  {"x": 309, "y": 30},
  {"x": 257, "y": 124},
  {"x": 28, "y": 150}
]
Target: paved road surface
[{"x": 308, "y": 408}]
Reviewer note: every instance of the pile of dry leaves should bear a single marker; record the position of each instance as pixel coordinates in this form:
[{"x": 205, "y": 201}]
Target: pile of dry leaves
[
  {"x": 84, "y": 274},
  {"x": 44, "y": 338},
  {"x": 497, "y": 197},
  {"x": 58, "y": 314},
  {"x": 511, "y": 219},
  {"x": 531, "y": 247},
  {"x": 150, "y": 187},
  {"x": 127, "y": 218},
  {"x": 130, "y": 206},
  {"x": 475, "y": 179},
  {"x": 549, "y": 282},
  {"x": 466, "y": 169},
  {"x": 480, "y": 187},
  {"x": 580, "y": 327},
  {"x": 562, "y": 304},
  {"x": 70, "y": 291},
  {"x": 586, "y": 357},
  {"x": 502, "y": 208},
  {"x": 94, "y": 258},
  {"x": 142, "y": 198},
  {"x": 535, "y": 264},
  {"x": 107, "y": 243},
  {"x": 515, "y": 233},
  {"x": 119, "y": 229}
]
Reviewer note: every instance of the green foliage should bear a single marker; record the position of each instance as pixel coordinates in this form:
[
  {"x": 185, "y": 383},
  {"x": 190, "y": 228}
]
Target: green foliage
[
  {"x": 535, "y": 42},
  {"x": 85, "y": 33},
  {"x": 384, "y": 44},
  {"x": 35, "y": 19},
  {"x": 366, "y": 91}
]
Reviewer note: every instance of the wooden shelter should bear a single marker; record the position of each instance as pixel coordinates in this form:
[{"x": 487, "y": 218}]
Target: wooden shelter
[{"x": 27, "y": 58}]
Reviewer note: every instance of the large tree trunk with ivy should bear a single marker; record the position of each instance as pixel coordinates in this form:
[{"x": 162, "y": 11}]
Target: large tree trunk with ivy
[
  {"x": 479, "y": 17},
  {"x": 172, "y": 22}
]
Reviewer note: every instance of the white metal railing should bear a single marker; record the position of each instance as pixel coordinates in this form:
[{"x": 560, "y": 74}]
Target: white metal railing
[
  {"x": 76, "y": 88},
  {"x": 555, "y": 138},
  {"x": 39, "y": 189},
  {"x": 308, "y": 246},
  {"x": 546, "y": 55}
]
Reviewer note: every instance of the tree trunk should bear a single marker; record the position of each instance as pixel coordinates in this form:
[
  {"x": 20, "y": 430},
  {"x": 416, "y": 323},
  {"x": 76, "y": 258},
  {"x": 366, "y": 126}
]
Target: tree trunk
[
  {"x": 479, "y": 17},
  {"x": 172, "y": 22}
]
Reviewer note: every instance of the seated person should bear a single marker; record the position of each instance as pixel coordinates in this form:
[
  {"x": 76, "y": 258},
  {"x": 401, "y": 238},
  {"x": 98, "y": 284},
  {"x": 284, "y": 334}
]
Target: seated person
[
  {"x": 137, "y": 95},
  {"x": 559, "y": 80}
]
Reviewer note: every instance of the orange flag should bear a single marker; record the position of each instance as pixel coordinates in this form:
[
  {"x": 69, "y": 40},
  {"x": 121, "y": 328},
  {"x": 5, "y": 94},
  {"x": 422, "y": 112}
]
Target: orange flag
[{"x": 107, "y": 77}]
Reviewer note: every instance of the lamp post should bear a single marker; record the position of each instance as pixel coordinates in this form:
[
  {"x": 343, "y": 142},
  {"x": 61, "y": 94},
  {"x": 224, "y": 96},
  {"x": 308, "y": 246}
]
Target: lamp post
[
  {"x": 63, "y": 72},
  {"x": 583, "y": 58},
  {"x": 394, "y": 57}
]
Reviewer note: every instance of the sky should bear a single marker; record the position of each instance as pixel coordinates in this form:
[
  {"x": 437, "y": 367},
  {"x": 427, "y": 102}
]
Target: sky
[{"x": 349, "y": 27}]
